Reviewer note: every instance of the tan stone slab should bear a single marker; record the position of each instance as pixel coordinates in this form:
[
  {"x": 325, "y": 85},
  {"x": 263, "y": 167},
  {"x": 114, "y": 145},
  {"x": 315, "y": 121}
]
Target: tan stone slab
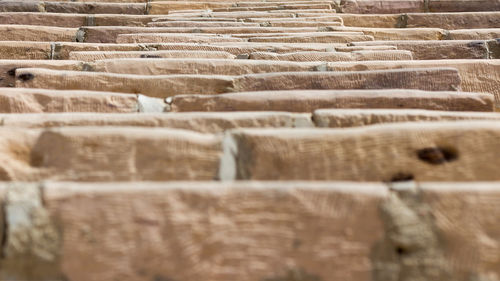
[
  {"x": 465, "y": 217},
  {"x": 199, "y": 66},
  {"x": 162, "y": 86},
  {"x": 39, "y": 100},
  {"x": 397, "y": 33},
  {"x": 375, "y": 20},
  {"x": 292, "y": 23},
  {"x": 114, "y": 154},
  {"x": 464, "y": 20},
  {"x": 320, "y": 18},
  {"x": 340, "y": 118},
  {"x": 62, "y": 50},
  {"x": 310, "y": 100},
  {"x": 463, "y": 5},
  {"x": 205, "y": 122},
  {"x": 335, "y": 56},
  {"x": 96, "y": 8},
  {"x": 192, "y": 24},
  {"x": 44, "y": 19},
  {"x": 365, "y": 48},
  {"x": 480, "y": 76},
  {"x": 8, "y": 68},
  {"x": 438, "y": 49},
  {"x": 25, "y": 50},
  {"x": 382, "y": 6},
  {"x": 309, "y": 233},
  {"x": 36, "y": 33},
  {"x": 174, "y": 38},
  {"x": 165, "y": 7},
  {"x": 109, "y": 34},
  {"x": 317, "y": 37},
  {"x": 432, "y": 151},
  {"x": 474, "y": 34},
  {"x": 21, "y": 6},
  {"x": 323, "y": 8},
  {"x": 93, "y": 56},
  {"x": 319, "y": 31}
]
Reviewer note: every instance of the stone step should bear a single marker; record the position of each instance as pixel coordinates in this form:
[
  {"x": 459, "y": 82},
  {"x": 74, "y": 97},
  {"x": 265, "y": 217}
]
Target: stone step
[
  {"x": 39, "y": 101},
  {"x": 400, "y": 6},
  {"x": 443, "y": 49},
  {"x": 74, "y": 7},
  {"x": 93, "y": 56},
  {"x": 204, "y": 122},
  {"x": 334, "y": 56},
  {"x": 8, "y": 68},
  {"x": 162, "y": 86},
  {"x": 114, "y": 154},
  {"x": 37, "y": 33},
  {"x": 433, "y": 151},
  {"x": 397, "y": 33},
  {"x": 281, "y": 238},
  {"x": 311, "y": 100},
  {"x": 340, "y": 118}
]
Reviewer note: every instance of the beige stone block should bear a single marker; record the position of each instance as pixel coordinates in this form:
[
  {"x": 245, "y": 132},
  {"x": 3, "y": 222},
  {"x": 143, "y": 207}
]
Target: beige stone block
[
  {"x": 204, "y": 122},
  {"x": 382, "y": 6},
  {"x": 433, "y": 151},
  {"x": 8, "y": 68},
  {"x": 101, "y": 55},
  {"x": 308, "y": 101},
  {"x": 335, "y": 56},
  {"x": 37, "y": 33},
  {"x": 340, "y": 118},
  {"x": 39, "y": 100}
]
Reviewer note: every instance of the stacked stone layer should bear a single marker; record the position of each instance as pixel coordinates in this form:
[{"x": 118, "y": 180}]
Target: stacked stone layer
[{"x": 270, "y": 140}]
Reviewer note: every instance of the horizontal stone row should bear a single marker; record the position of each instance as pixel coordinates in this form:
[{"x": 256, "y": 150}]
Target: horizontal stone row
[
  {"x": 432, "y": 151},
  {"x": 249, "y": 231},
  {"x": 163, "y": 86},
  {"x": 40, "y": 100}
]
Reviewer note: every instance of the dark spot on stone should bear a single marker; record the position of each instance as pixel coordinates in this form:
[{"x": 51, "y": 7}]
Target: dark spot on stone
[
  {"x": 402, "y": 177},
  {"x": 297, "y": 243},
  {"x": 401, "y": 251},
  {"x": 475, "y": 44},
  {"x": 36, "y": 160},
  {"x": 150, "y": 57},
  {"x": 12, "y": 72},
  {"x": 26, "y": 77},
  {"x": 437, "y": 155},
  {"x": 295, "y": 275}
]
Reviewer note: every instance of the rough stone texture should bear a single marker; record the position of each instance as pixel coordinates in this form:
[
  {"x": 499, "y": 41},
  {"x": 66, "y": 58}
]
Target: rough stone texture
[
  {"x": 211, "y": 122},
  {"x": 436, "y": 151},
  {"x": 36, "y": 33},
  {"x": 188, "y": 231},
  {"x": 335, "y": 56},
  {"x": 93, "y": 56},
  {"x": 8, "y": 68},
  {"x": 162, "y": 86},
  {"x": 339, "y": 118},
  {"x": 307, "y": 101},
  {"x": 39, "y": 100},
  {"x": 114, "y": 154}
]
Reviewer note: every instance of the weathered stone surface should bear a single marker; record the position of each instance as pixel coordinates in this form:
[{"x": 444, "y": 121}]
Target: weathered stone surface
[
  {"x": 434, "y": 151},
  {"x": 335, "y": 56},
  {"x": 397, "y": 33},
  {"x": 95, "y": 8},
  {"x": 36, "y": 33},
  {"x": 453, "y": 20},
  {"x": 100, "y": 55},
  {"x": 8, "y": 68},
  {"x": 438, "y": 49},
  {"x": 39, "y": 100},
  {"x": 480, "y": 76},
  {"x": 463, "y": 5},
  {"x": 474, "y": 34},
  {"x": 308, "y": 101},
  {"x": 312, "y": 231},
  {"x": 209, "y": 122},
  {"x": 339, "y": 118},
  {"x": 381, "y": 6},
  {"x": 25, "y": 50},
  {"x": 173, "y": 38},
  {"x": 438, "y": 79},
  {"x": 114, "y": 154},
  {"x": 317, "y": 37}
]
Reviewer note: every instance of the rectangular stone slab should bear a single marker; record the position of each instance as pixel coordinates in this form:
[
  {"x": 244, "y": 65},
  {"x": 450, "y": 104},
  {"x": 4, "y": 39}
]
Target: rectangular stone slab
[
  {"x": 39, "y": 100},
  {"x": 201, "y": 24},
  {"x": 308, "y": 101},
  {"x": 397, "y": 33},
  {"x": 438, "y": 79},
  {"x": 461, "y": 20},
  {"x": 37, "y": 33},
  {"x": 24, "y": 50},
  {"x": 335, "y": 56},
  {"x": 474, "y": 34},
  {"x": 109, "y": 34},
  {"x": 438, "y": 49},
  {"x": 433, "y": 151},
  {"x": 74, "y": 20},
  {"x": 114, "y": 154},
  {"x": 93, "y": 56},
  {"x": 317, "y": 37},
  {"x": 149, "y": 231},
  {"x": 96, "y": 8},
  {"x": 381, "y": 6},
  {"x": 205, "y": 122},
  {"x": 174, "y": 38},
  {"x": 8, "y": 68},
  {"x": 463, "y": 5},
  {"x": 482, "y": 76},
  {"x": 339, "y": 118}
]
